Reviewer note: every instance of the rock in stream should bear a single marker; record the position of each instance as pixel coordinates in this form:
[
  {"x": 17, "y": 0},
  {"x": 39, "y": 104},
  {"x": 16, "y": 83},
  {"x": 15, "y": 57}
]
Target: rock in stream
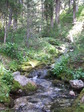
[{"x": 45, "y": 96}]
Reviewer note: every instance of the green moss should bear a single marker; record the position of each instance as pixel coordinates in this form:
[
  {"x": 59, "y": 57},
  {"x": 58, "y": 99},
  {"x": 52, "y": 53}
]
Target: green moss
[
  {"x": 25, "y": 68},
  {"x": 15, "y": 86},
  {"x": 30, "y": 65},
  {"x": 29, "y": 88}
]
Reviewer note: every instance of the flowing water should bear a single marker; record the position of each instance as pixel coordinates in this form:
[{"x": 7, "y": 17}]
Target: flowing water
[{"x": 45, "y": 96}]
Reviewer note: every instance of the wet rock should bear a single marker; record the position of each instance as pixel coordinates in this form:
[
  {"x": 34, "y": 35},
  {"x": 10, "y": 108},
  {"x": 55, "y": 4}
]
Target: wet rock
[
  {"x": 76, "y": 84},
  {"x": 22, "y": 80},
  {"x": 39, "y": 73},
  {"x": 60, "y": 103},
  {"x": 24, "y": 105},
  {"x": 72, "y": 93},
  {"x": 57, "y": 83},
  {"x": 16, "y": 73},
  {"x": 20, "y": 102},
  {"x": 77, "y": 106}
]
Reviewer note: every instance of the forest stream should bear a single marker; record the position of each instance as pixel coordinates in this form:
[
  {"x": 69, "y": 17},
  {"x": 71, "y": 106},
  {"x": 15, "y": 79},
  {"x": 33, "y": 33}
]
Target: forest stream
[{"x": 45, "y": 96}]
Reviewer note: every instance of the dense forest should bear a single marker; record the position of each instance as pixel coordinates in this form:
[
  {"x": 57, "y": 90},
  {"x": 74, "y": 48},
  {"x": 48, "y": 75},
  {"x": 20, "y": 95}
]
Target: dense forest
[{"x": 41, "y": 55}]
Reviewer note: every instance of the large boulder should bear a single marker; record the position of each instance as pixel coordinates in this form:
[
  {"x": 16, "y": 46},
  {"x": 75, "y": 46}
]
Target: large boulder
[
  {"x": 23, "y": 83},
  {"x": 76, "y": 84}
]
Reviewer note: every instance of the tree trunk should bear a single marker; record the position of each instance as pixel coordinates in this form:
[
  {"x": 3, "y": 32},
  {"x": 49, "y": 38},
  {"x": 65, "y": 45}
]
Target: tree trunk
[
  {"x": 42, "y": 8},
  {"x": 74, "y": 11},
  {"x": 10, "y": 18},
  {"x": 28, "y": 33},
  {"x": 69, "y": 5},
  {"x": 77, "y": 2},
  {"x": 28, "y": 23},
  {"x": 5, "y": 33},
  {"x": 57, "y": 11},
  {"x": 52, "y": 22}
]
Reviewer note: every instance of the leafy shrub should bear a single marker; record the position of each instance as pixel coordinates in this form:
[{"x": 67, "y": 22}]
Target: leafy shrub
[
  {"x": 78, "y": 74},
  {"x": 60, "y": 66},
  {"x": 5, "y": 76},
  {"x": 11, "y": 50},
  {"x": 6, "y": 80}
]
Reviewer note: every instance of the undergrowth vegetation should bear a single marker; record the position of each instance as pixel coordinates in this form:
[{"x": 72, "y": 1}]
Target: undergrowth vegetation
[
  {"x": 6, "y": 80},
  {"x": 11, "y": 50}
]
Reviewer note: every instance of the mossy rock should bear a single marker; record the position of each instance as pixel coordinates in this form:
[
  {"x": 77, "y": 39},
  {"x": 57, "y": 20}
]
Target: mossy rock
[
  {"x": 4, "y": 93},
  {"x": 24, "y": 68},
  {"x": 15, "y": 86},
  {"x": 32, "y": 63},
  {"x": 29, "y": 88},
  {"x": 28, "y": 66},
  {"x": 77, "y": 106}
]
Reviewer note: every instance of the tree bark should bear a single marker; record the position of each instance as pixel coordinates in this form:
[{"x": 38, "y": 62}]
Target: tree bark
[
  {"x": 74, "y": 11},
  {"x": 28, "y": 23},
  {"x": 57, "y": 11},
  {"x": 52, "y": 22},
  {"x": 10, "y": 18},
  {"x": 77, "y": 2},
  {"x": 69, "y": 5}
]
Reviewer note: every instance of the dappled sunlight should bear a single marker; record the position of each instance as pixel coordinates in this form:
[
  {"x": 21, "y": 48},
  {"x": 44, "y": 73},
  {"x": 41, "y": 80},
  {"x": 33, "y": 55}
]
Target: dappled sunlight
[
  {"x": 82, "y": 13},
  {"x": 76, "y": 30}
]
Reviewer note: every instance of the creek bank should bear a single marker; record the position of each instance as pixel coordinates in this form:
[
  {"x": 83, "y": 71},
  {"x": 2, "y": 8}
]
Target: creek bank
[{"x": 77, "y": 105}]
